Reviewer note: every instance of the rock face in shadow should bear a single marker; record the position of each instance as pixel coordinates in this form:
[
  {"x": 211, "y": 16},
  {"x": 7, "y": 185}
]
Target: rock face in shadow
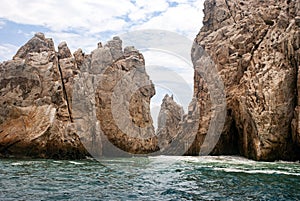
[
  {"x": 57, "y": 105},
  {"x": 255, "y": 48},
  {"x": 169, "y": 119}
]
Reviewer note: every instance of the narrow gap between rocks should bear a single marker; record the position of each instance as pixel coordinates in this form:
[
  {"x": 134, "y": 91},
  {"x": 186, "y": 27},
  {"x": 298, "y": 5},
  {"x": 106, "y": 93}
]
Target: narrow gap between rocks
[{"x": 64, "y": 89}]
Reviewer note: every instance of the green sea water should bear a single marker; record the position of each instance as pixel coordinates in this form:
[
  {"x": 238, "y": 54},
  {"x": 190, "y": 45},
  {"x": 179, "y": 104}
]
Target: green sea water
[{"x": 149, "y": 178}]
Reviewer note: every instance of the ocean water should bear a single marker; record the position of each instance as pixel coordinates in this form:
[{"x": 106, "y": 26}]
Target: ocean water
[{"x": 149, "y": 178}]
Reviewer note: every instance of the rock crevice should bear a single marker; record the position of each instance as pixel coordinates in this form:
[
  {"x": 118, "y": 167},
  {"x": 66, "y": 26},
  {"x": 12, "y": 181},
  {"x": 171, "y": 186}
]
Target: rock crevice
[
  {"x": 59, "y": 105},
  {"x": 64, "y": 89}
]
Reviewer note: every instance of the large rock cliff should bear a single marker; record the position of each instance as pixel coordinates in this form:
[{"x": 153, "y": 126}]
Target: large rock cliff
[
  {"x": 36, "y": 119},
  {"x": 58, "y": 105},
  {"x": 255, "y": 47}
]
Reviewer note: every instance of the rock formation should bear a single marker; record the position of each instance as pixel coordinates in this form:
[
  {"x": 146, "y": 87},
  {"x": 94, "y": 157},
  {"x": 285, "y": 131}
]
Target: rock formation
[
  {"x": 255, "y": 48},
  {"x": 35, "y": 113},
  {"x": 246, "y": 86},
  {"x": 49, "y": 99},
  {"x": 122, "y": 91},
  {"x": 169, "y": 119},
  {"x": 177, "y": 131}
]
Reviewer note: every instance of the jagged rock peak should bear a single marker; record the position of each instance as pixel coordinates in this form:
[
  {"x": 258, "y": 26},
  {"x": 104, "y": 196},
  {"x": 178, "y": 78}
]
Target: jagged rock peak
[
  {"x": 115, "y": 46},
  {"x": 169, "y": 119},
  {"x": 40, "y": 35},
  {"x": 169, "y": 101},
  {"x": 36, "y": 44},
  {"x": 79, "y": 56},
  {"x": 99, "y": 45},
  {"x": 130, "y": 49},
  {"x": 52, "y": 102},
  {"x": 64, "y": 51}
]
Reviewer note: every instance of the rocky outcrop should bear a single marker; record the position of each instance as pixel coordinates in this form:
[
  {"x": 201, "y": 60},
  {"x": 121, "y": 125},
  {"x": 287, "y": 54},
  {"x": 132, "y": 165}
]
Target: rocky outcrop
[
  {"x": 169, "y": 119},
  {"x": 246, "y": 86},
  {"x": 255, "y": 48},
  {"x": 35, "y": 114},
  {"x": 56, "y": 105},
  {"x": 176, "y": 130},
  {"x": 122, "y": 91}
]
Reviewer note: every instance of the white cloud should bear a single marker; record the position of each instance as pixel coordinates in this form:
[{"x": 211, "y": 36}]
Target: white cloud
[
  {"x": 170, "y": 74},
  {"x": 88, "y": 16},
  {"x": 175, "y": 63},
  {"x": 63, "y": 15},
  {"x": 185, "y": 19},
  {"x": 82, "y": 23},
  {"x": 7, "y": 51},
  {"x": 85, "y": 42}
]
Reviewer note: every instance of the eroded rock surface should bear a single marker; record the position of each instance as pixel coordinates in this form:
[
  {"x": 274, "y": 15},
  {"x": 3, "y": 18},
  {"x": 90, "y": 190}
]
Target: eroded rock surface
[
  {"x": 112, "y": 100},
  {"x": 58, "y": 105},
  {"x": 255, "y": 48},
  {"x": 169, "y": 119},
  {"x": 35, "y": 118}
]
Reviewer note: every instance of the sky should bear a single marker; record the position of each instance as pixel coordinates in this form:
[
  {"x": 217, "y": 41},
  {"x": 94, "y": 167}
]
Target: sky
[{"x": 84, "y": 23}]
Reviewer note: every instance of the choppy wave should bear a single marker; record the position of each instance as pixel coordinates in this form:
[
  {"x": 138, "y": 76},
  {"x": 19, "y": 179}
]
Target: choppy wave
[
  {"x": 76, "y": 163},
  {"x": 150, "y": 178},
  {"x": 256, "y": 171}
]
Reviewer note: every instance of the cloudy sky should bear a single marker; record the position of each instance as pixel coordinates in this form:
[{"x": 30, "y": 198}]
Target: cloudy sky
[{"x": 83, "y": 23}]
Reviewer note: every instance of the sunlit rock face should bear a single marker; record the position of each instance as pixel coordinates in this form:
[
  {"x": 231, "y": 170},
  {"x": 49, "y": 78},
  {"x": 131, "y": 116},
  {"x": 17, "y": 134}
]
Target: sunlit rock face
[
  {"x": 255, "y": 48},
  {"x": 36, "y": 118},
  {"x": 57, "y": 105},
  {"x": 122, "y": 91}
]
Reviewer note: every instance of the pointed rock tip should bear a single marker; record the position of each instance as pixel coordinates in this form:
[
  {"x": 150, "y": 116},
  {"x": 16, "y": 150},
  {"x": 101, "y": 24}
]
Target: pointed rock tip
[
  {"x": 116, "y": 38},
  {"x": 40, "y": 35},
  {"x": 38, "y": 43},
  {"x": 100, "y": 45},
  {"x": 62, "y": 44},
  {"x": 64, "y": 51},
  {"x": 129, "y": 49},
  {"x": 165, "y": 97}
]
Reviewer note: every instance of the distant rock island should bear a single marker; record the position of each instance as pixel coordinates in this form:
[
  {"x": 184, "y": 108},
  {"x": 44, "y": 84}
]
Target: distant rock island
[{"x": 52, "y": 103}]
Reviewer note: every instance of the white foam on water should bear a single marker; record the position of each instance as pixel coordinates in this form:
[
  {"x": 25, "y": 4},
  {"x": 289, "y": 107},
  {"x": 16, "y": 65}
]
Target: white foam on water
[
  {"x": 17, "y": 163},
  {"x": 206, "y": 159},
  {"x": 234, "y": 160},
  {"x": 26, "y": 163},
  {"x": 118, "y": 160},
  {"x": 57, "y": 162},
  {"x": 76, "y": 163},
  {"x": 168, "y": 157},
  {"x": 256, "y": 171},
  {"x": 164, "y": 161}
]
